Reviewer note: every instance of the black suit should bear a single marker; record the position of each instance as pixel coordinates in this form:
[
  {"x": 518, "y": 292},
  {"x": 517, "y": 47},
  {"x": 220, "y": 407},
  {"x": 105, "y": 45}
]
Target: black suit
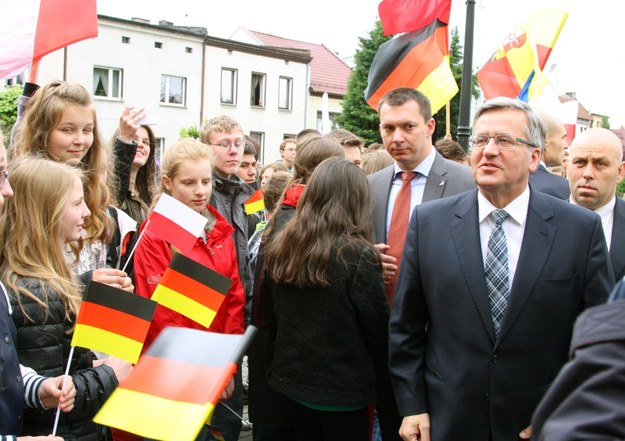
[
  {"x": 444, "y": 358},
  {"x": 546, "y": 182},
  {"x": 585, "y": 401},
  {"x": 617, "y": 244}
]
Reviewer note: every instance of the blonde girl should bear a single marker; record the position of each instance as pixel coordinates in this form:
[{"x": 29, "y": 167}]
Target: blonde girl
[{"x": 48, "y": 211}]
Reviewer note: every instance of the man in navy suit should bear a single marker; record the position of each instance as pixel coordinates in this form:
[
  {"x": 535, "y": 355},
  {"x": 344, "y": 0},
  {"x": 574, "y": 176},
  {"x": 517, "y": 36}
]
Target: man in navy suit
[
  {"x": 595, "y": 168},
  {"x": 472, "y": 352},
  {"x": 555, "y": 142}
]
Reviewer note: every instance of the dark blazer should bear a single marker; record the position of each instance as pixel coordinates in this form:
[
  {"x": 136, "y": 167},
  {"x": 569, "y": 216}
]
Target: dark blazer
[
  {"x": 446, "y": 178},
  {"x": 585, "y": 401},
  {"x": 546, "y": 182},
  {"x": 444, "y": 358},
  {"x": 617, "y": 243}
]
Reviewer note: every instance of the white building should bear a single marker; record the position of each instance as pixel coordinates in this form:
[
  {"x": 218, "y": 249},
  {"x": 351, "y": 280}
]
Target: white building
[{"x": 183, "y": 76}]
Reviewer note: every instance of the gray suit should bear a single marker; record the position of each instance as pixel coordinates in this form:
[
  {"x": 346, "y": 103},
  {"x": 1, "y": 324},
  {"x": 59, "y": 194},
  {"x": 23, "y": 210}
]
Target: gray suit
[{"x": 446, "y": 178}]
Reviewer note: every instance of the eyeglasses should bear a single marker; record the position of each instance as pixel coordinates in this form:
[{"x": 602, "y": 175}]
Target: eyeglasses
[
  {"x": 4, "y": 175},
  {"x": 504, "y": 142},
  {"x": 238, "y": 145}
]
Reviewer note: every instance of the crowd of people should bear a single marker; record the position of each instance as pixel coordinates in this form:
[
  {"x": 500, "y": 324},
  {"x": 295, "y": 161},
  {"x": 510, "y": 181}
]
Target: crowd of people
[{"x": 402, "y": 290}]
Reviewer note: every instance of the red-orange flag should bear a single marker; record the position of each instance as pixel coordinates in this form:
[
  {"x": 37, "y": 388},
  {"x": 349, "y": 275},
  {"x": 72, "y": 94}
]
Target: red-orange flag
[{"x": 399, "y": 16}]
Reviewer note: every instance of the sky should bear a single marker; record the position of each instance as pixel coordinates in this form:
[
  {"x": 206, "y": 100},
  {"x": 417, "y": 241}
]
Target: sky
[{"x": 584, "y": 57}]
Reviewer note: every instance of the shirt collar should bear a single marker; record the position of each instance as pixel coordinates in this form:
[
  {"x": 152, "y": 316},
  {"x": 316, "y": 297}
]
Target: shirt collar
[
  {"x": 601, "y": 211},
  {"x": 424, "y": 166},
  {"x": 517, "y": 209}
]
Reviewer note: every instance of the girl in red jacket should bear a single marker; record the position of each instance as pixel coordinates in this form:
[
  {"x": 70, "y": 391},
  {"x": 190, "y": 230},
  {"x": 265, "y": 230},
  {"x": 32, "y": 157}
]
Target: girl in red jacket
[{"x": 186, "y": 174}]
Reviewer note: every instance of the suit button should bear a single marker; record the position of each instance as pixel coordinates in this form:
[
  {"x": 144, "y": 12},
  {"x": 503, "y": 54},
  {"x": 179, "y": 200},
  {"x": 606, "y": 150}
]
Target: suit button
[
  {"x": 486, "y": 397},
  {"x": 494, "y": 359},
  {"x": 7, "y": 340},
  {"x": 18, "y": 378}
]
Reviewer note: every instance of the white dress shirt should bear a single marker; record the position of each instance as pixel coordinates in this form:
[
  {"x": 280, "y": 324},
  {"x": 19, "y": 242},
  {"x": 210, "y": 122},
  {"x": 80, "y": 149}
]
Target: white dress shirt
[
  {"x": 607, "y": 218},
  {"x": 513, "y": 227}
]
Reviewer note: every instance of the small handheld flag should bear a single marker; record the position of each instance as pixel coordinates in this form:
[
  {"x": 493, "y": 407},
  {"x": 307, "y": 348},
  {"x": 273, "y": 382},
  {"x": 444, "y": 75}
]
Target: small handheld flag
[
  {"x": 176, "y": 223},
  {"x": 175, "y": 386},
  {"x": 113, "y": 321},
  {"x": 192, "y": 289},
  {"x": 255, "y": 203}
]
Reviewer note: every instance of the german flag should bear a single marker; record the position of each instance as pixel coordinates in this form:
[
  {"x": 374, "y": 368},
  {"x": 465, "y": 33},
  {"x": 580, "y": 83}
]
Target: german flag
[
  {"x": 192, "y": 289},
  {"x": 419, "y": 60},
  {"x": 175, "y": 386},
  {"x": 255, "y": 203},
  {"x": 113, "y": 321}
]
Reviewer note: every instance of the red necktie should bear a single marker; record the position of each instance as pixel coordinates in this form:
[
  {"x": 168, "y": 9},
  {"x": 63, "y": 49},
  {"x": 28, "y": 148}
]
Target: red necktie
[{"x": 399, "y": 227}]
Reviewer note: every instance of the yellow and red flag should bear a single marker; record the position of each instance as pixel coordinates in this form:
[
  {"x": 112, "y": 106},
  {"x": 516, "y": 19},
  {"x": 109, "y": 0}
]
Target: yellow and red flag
[
  {"x": 192, "y": 289},
  {"x": 175, "y": 386},
  {"x": 515, "y": 70},
  {"x": 113, "y": 321},
  {"x": 255, "y": 203}
]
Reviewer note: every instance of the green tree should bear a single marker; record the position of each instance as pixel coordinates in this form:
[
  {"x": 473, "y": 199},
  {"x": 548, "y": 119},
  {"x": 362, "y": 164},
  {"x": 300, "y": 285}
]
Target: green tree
[
  {"x": 189, "y": 132},
  {"x": 357, "y": 116},
  {"x": 8, "y": 108},
  {"x": 455, "y": 61}
]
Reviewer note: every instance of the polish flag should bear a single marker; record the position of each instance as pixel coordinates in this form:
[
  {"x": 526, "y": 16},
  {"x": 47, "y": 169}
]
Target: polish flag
[
  {"x": 176, "y": 223},
  {"x": 30, "y": 29}
]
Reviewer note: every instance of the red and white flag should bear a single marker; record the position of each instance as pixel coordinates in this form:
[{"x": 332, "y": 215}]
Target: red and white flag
[
  {"x": 176, "y": 223},
  {"x": 30, "y": 29}
]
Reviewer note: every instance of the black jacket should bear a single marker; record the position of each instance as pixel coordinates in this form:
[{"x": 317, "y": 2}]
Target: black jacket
[
  {"x": 587, "y": 399},
  {"x": 43, "y": 343}
]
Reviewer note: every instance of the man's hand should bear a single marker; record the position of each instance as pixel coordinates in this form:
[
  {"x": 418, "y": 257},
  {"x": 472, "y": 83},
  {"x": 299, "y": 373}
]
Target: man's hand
[
  {"x": 51, "y": 395},
  {"x": 415, "y": 427},
  {"x": 526, "y": 433},
  {"x": 389, "y": 263},
  {"x": 113, "y": 277},
  {"x": 228, "y": 391}
]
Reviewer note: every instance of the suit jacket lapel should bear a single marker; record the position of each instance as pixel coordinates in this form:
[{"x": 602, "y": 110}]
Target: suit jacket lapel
[
  {"x": 537, "y": 243},
  {"x": 617, "y": 241},
  {"x": 437, "y": 179},
  {"x": 381, "y": 193},
  {"x": 466, "y": 237}
]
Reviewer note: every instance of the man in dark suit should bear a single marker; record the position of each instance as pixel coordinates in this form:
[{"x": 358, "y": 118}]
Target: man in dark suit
[
  {"x": 542, "y": 179},
  {"x": 406, "y": 127},
  {"x": 595, "y": 168},
  {"x": 491, "y": 283}
]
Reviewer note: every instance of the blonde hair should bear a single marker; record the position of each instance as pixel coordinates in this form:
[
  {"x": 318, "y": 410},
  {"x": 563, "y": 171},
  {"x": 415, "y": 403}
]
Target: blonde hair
[
  {"x": 31, "y": 232},
  {"x": 186, "y": 149},
  {"x": 219, "y": 124},
  {"x": 43, "y": 113}
]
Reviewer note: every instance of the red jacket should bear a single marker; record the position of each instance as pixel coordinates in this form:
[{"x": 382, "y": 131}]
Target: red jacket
[{"x": 152, "y": 258}]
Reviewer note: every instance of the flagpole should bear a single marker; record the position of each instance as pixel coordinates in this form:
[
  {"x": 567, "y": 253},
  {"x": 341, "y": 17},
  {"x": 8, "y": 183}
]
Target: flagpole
[
  {"x": 464, "y": 127},
  {"x": 136, "y": 243},
  {"x": 58, "y": 407}
]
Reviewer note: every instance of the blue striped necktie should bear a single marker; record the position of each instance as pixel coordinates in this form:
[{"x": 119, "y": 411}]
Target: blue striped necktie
[{"x": 496, "y": 270}]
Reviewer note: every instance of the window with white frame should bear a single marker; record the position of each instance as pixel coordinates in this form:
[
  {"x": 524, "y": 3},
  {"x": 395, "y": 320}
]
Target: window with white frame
[
  {"x": 260, "y": 139},
  {"x": 159, "y": 150},
  {"x": 257, "y": 95},
  {"x": 107, "y": 82},
  {"x": 285, "y": 90},
  {"x": 173, "y": 90},
  {"x": 228, "y": 85},
  {"x": 332, "y": 115}
]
